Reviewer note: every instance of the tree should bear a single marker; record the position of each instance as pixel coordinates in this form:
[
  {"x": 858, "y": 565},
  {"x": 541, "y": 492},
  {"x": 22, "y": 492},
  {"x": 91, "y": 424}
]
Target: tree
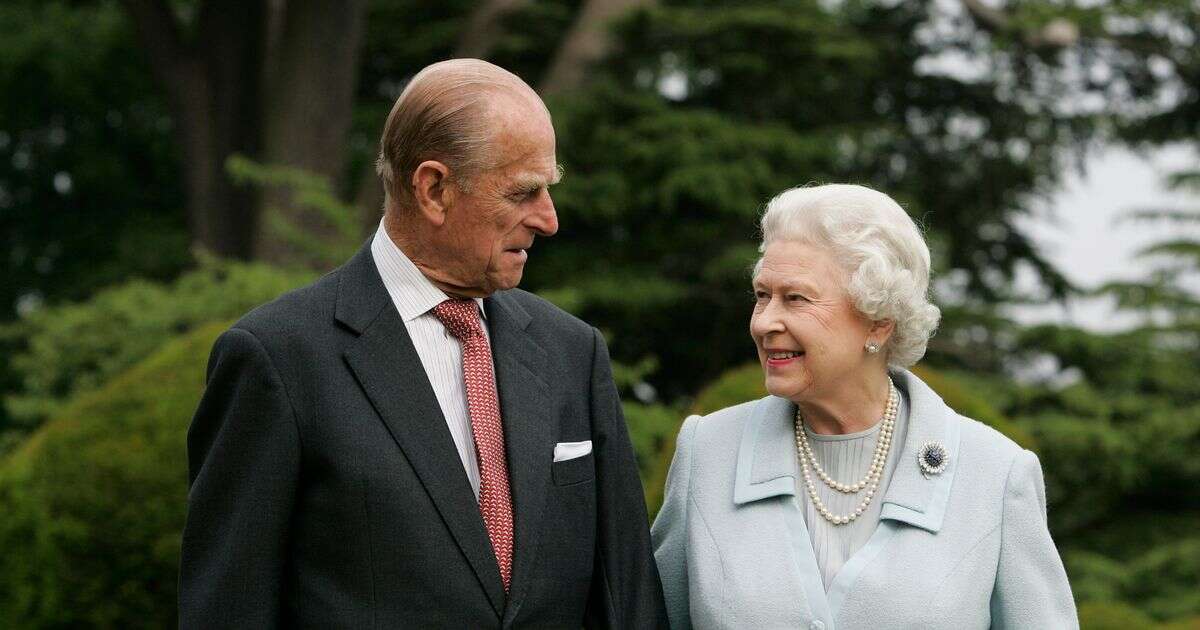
[{"x": 272, "y": 80}]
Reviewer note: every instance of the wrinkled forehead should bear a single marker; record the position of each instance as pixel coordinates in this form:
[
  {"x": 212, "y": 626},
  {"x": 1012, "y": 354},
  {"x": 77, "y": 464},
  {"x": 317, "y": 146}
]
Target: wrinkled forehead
[{"x": 786, "y": 263}]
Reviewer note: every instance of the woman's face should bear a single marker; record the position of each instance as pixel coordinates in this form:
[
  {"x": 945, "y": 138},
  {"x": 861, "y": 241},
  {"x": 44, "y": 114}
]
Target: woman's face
[{"x": 809, "y": 337}]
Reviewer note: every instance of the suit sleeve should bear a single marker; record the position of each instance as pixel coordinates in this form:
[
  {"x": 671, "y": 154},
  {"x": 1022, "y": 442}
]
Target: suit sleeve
[
  {"x": 670, "y": 530},
  {"x": 1031, "y": 588},
  {"x": 243, "y": 463},
  {"x": 625, "y": 590}
]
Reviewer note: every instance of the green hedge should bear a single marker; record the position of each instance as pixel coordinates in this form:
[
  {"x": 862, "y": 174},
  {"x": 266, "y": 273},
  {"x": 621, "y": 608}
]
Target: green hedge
[
  {"x": 93, "y": 504},
  {"x": 65, "y": 350}
]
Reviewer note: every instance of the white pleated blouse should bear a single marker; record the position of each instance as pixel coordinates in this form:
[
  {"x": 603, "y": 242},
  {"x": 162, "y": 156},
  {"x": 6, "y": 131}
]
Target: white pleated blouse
[{"x": 846, "y": 458}]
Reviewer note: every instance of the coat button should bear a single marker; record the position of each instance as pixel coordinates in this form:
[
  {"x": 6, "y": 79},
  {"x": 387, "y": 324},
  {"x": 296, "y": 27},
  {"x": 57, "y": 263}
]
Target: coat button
[{"x": 816, "y": 625}]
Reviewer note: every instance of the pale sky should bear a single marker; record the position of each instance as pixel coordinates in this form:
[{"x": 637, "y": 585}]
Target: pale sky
[{"x": 1088, "y": 244}]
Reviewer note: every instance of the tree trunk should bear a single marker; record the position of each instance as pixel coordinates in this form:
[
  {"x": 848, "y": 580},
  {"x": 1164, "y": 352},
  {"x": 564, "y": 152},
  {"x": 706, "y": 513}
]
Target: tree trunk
[
  {"x": 270, "y": 79},
  {"x": 309, "y": 104},
  {"x": 587, "y": 42},
  {"x": 211, "y": 83}
]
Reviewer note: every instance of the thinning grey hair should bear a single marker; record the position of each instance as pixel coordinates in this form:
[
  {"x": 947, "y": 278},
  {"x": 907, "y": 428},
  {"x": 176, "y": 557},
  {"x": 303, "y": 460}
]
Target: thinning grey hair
[
  {"x": 443, "y": 114},
  {"x": 878, "y": 246}
]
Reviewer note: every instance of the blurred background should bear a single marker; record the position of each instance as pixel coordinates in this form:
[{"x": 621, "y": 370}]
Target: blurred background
[{"x": 166, "y": 165}]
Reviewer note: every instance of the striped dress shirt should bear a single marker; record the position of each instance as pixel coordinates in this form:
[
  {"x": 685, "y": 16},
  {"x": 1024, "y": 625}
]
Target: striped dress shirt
[{"x": 441, "y": 353}]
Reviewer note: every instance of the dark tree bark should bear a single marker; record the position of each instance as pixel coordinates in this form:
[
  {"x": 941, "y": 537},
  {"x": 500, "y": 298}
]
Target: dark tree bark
[
  {"x": 309, "y": 103},
  {"x": 270, "y": 79},
  {"x": 212, "y": 85}
]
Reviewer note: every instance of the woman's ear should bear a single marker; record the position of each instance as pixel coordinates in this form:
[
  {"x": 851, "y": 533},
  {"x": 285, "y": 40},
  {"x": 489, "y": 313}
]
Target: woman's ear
[{"x": 881, "y": 331}]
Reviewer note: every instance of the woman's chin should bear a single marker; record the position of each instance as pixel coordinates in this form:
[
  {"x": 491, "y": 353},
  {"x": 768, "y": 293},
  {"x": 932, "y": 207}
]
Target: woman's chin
[{"x": 783, "y": 386}]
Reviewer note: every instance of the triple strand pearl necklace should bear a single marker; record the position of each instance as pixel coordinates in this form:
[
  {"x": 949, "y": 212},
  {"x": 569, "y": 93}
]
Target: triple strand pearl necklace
[{"x": 870, "y": 482}]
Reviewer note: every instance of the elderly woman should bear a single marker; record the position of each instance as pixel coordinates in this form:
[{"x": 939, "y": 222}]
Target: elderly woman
[{"x": 852, "y": 496}]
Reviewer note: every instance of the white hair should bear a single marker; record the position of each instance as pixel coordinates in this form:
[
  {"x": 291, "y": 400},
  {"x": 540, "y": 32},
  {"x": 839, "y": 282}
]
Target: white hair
[{"x": 879, "y": 247}]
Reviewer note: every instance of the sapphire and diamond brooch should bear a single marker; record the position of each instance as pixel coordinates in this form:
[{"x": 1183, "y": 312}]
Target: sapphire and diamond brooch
[{"x": 933, "y": 458}]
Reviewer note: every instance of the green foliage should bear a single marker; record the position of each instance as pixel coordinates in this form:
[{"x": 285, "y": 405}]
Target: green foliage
[
  {"x": 1113, "y": 616},
  {"x": 94, "y": 502},
  {"x": 69, "y": 349},
  {"x": 340, "y": 236},
  {"x": 652, "y": 429}
]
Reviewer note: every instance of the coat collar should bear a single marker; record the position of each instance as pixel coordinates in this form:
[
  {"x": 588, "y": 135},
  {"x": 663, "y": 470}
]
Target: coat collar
[{"x": 767, "y": 465}]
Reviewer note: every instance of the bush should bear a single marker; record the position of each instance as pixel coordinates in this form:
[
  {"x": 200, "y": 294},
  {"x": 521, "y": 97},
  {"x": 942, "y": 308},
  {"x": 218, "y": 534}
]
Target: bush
[
  {"x": 94, "y": 502},
  {"x": 74, "y": 348}
]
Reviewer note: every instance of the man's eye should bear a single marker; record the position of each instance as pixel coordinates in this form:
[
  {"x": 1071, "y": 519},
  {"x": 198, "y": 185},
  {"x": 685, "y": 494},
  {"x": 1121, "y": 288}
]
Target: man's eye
[
  {"x": 796, "y": 297},
  {"x": 761, "y": 295}
]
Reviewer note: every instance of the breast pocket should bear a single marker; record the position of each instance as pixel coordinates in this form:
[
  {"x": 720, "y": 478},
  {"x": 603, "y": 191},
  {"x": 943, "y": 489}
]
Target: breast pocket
[{"x": 572, "y": 471}]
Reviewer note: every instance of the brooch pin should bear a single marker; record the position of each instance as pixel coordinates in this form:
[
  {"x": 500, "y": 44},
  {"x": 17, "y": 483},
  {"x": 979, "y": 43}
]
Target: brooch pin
[{"x": 933, "y": 458}]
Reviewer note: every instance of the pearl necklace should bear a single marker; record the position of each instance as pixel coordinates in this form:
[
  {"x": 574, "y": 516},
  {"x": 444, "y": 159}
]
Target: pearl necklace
[{"x": 870, "y": 482}]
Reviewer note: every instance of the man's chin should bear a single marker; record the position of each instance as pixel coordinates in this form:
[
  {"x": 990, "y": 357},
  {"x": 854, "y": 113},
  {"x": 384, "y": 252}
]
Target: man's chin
[{"x": 507, "y": 281}]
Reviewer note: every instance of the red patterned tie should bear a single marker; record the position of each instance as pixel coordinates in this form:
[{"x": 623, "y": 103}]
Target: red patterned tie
[{"x": 461, "y": 318}]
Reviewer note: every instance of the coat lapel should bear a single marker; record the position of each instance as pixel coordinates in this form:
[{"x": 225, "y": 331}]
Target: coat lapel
[
  {"x": 528, "y": 431},
  {"x": 912, "y": 499},
  {"x": 387, "y": 366},
  {"x": 767, "y": 467}
]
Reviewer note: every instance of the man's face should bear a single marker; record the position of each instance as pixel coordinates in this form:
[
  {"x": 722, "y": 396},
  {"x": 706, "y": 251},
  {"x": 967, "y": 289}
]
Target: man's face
[{"x": 489, "y": 229}]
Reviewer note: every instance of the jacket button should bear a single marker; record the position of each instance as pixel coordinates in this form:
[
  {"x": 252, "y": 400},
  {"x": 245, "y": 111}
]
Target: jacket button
[{"x": 816, "y": 625}]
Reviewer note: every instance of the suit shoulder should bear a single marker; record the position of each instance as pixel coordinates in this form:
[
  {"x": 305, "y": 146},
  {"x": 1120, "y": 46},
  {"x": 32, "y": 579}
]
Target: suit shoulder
[
  {"x": 541, "y": 309},
  {"x": 292, "y": 312},
  {"x": 551, "y": 324}
]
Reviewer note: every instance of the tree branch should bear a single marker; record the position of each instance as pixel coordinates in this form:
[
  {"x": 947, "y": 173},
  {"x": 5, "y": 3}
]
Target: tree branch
[
  {"x": 587, "y": 42},
  {"x": 1055, "y": 34},
  {"x": 484, "y": 27}
]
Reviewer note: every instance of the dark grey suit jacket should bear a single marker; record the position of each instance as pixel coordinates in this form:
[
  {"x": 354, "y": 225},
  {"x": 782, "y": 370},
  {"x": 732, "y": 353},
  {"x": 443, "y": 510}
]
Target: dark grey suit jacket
[{"x": 326, "y": 491}]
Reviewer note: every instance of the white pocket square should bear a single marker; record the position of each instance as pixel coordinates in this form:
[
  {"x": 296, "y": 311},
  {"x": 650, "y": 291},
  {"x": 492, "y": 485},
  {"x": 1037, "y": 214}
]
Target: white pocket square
[{"x": 571, "y": 450}]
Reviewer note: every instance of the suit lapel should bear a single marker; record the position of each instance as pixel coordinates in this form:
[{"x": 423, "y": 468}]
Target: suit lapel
[
  {"x": 528, "y": 430},
  {"x": 386, "y": 364}
]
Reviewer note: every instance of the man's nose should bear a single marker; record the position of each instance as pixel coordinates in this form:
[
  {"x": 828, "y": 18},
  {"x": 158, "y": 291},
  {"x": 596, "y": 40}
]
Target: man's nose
[{"x": 544, "y": 219}]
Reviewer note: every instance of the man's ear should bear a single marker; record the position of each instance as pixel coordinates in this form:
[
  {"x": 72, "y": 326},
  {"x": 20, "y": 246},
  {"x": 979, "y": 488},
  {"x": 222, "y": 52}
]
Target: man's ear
[{"x": 431, "y": 187}]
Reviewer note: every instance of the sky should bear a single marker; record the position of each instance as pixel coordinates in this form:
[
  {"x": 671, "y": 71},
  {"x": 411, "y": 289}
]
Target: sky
[{"x": 1081, "y": 235}]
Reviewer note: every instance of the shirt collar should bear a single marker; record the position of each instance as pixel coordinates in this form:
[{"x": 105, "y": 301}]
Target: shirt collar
[{"x": 411, "y": 292}]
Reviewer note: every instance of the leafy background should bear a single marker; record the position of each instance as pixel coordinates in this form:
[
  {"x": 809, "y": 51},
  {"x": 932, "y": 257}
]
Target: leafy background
[{"x": 673, "y": 133}]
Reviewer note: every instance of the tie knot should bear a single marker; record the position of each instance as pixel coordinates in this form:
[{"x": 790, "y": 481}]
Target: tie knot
[{"x": 460, "y": 317}]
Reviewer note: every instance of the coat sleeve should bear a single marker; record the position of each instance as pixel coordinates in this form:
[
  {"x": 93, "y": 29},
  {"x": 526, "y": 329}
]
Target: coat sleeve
[
  {"x": 243, "y": 461},
  {"x": 1031, "y": 588},
  {"x": 625, "y": 591},
  {"x": 670, "y": 530}
]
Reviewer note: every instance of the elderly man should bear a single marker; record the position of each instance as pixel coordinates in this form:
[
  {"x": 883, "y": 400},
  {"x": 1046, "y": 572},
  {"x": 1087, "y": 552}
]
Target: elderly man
[{"x": 411, "y": 441}]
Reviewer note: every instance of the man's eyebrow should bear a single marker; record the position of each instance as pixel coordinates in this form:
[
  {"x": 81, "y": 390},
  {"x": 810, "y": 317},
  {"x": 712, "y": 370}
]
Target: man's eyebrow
[{"x": 533, "y": 181}]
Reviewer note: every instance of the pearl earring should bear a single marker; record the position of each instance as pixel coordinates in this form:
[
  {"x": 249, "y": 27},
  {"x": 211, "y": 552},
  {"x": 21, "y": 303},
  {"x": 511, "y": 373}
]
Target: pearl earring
[{"x": 872, "y": 347}]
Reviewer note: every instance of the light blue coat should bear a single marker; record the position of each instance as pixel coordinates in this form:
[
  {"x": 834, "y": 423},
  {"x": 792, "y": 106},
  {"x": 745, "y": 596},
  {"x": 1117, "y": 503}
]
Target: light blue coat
[{"x": 965, "y": 549}]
